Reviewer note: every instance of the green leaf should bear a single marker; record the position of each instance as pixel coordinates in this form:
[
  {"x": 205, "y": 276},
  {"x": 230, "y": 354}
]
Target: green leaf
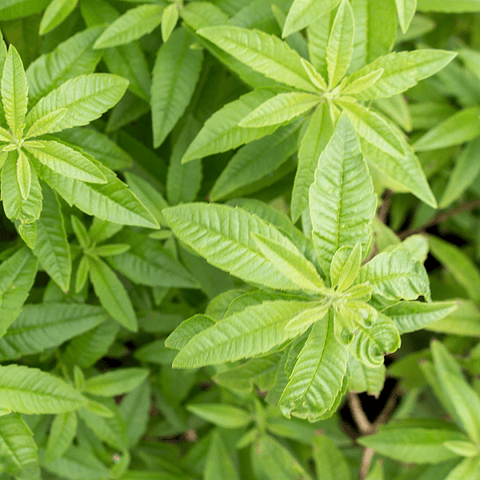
[
  {"x": 266, "y": 54},
  {"x": 465, "y": 320},
  {"x": 18, "y": 451},
  {"x": 449, "y": 7},
  {"x": 465, "y": 449},
  {"x": 29, "y": 390},
  {"x": 318, "y": 374},
  {"x": 70, "y": 59},
  {"x": 85, "y": 97},
  {"x": 169, "y": 20},
  {"x": 396, "y": 275},
  {"x": 221, "y": 131},
  {"x": 342, "y": 202},
  {"x": 280, "y": 109},
  {"x": 42, "y": 326},
  {"x": 340, "y": 44},
  {"x": 188, "y": 329},
  {"x": 133, "y": 24},
  {"x": 116, "y": 382},
  {"x": 46, "y": 124},
  {"x": 345, "y": 266},
  {"x": 14, "y": 92},
  {"x": 226, "y": 416},
  {"x": 222, "y": 235},
  {"x": 363, "y": 378},
  {"x": 406, "y": 11},
  {"x": 252, "y": 331},
  {"x": 65, "y": 161},
  {"x": 56, "y": 12},
  {"x": 12, "y": 9},
  {"x": 135, "y": 409},
  {"x": 402, "y": 71},
  {"x": 112, "y": 294},
  {"x": 467, "y": 469},
  {"x": 329, "y": 460},
  {"x": 413, "y": 444},
  {"x": 175, "y": 74},
  {"x": 24, "y": 174},
  {"x": 461, "y": 127},
  {"x": 62, "y": 433},
  {"x": 361, "y": 83},
  {"x": 459, "y": 264},
  {"x": 304, "y": 12},
  {"x": 218, "y": 464},
  {"x": 411, "y": 316}
]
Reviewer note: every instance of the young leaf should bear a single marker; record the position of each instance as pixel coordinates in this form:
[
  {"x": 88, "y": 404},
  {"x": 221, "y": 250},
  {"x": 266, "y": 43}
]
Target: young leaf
[
  {"x": 175, "y": 74},
  {"x": 361, "y": 83},
  {"x": 318, "y": 375},
  {"x": 303, "y": 320},
  {"x": 46, "y": 124},
  {"x": 252, "y": 331},
  {"x": 112, "y": 294},
  {"x": 266, "y": 54},
  {"x": 345, "y": 266},
  {"x": 406, "y": 11},
  {"x": 116, "y": 381},
  {"x": 169, "y": 21},
  {"x": 14, "y": 92},
  {"x": 340, "y": 44},
  {"x": 56, "y": 12},
  {"x": 62, "y": 433},
  {"x": 362, "y": 378},
  {"x": 342, "y": 202},
  {"x": 24, "y": 174},
  {"x": 133, "y": 24}
]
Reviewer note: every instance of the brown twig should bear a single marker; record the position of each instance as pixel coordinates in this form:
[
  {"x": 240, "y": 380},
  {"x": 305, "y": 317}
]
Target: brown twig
[
  {"x": 385, "y": 206},
  {"x": 441, "y": 217},
  {"x": 388, "y": 408},
  {"x": 365, "y": 427}
]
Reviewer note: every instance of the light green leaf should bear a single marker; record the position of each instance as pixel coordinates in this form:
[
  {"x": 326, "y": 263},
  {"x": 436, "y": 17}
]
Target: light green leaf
[
  {"x": 133, "y": 24},
  {"x": 226, "y": 416},
  {"x": 413, "y": 444},
  {"x": 280, "y": 109},
  {"x": 70, "y": 59},
  {"x": 460, "y": 265},
  {"x": 188, "y": 329},
  {"x": 85, "y": 97},
  {"x": 465, "y": 320},
  {"x": 46, "y": 124},
  {"x": 252, "y": 331},
  {"x": 42, "y": 326},
  {"x": 411, "y": 316},
  {"x": 56, "y": 12},
  {"x": 402, "y": 71},
  {"x": 467, "y": 469},
  {"x": 361, "y": 83},
  {"x": 62, "y": 433},
  {"x": 116, "y": 382},
  {"x": 318, "y": 375},
  {"x": 65, "y": 161},
  {"x": 218, "y": 464},
  {"x": 14, "y": 92},
  {"x": 345, "y": 266},
  {"x": 305, "y": 319},
  {"x": 406, "y": 11},
  {"x": 446, "y": 6},
  {"x": 465, "y": 449},
  {"x": 304, "y": 12},
  {"x": 18, "y": 451},
  {"x": 175, "y": 74},
  {"x": 340, "y": 44},
  {"x": 29, "y": 390},
  {"x": 291, "y": 263},
  {"x": 330, "y": 462},
  {"x": 396, "y": 275},
  {"x": 24, "y": 174},
  {"x": 112, "y": 294},
  {"x": 363, "y": 378},
  {"x": 342, "y": 202},
  {"x": 221, "y": 131},
  {"x": 461, "y": 127},
  {"x": 266, "y": 54},
  {"x": 169, "y": 20}
]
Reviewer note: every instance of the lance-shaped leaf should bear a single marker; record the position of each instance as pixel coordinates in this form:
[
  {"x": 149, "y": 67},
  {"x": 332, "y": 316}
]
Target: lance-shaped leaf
[
  {"x": 329, "y": 460},
  {"x": 410, "y": 316},
  {"x": 46, "y": 124},
  {"x": 252, "y": 331},
  {"x": 29, "y": 390},
  {"x": 406, "y": 11},
  {"x": 340, "y": 44},
  {"x": 291, "y": 263},
  {"x": 112, "y": 294},
  {"x": 465, "y": 320},
  {"x": 111, "y": 201},
  {"x": 67, "y": 162},
  {"x": 218, "y": 464},
  {"x": 280, "y": 109},
  {"x": 14, "y": 203},
  {"x": 302, "y": 13},
  {"x": 188, "y": 329},
  {"x": 24, "y": 174},
  {"x": 445, "y": 6},
  {"x": 14, "y": 91},
  {"x": 175, "y": 74},
  {"x": 61, "y": 435},
  {"x": 264, "y": 53},
  {"x": 363, "y": 378},
  {"x": 42, "y": 326},
  {"x": 115, "y": 382},
  {"x": 345, "y": 266},
  {"x": 396, "y": 275},
  {"x": 18, "y": 450},
  {"x": 361, "y": 83},
  {"x": 221, "y": 131},
  {"x": 318, "y": 375},
  {"x": 342, "y": 202},
  {"x": 56, "y": 12},
  {"x": 133, "y": 24},
  {"x": 402, "y": 71},
  {"x": 226, "y": 416},
  {"x": 222, "y": 235},
  {"x": 70, "y": 59},
  {"x": 85, "y": 97},
  {"x": 169, "y": 21}
]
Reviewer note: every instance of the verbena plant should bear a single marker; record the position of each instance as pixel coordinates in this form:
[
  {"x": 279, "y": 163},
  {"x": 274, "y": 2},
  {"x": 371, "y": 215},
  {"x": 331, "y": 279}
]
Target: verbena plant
[{"x": 148, "y": 331}]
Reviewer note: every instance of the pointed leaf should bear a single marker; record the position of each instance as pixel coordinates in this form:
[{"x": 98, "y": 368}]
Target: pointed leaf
[
  {"x": 46, "y": 124},
  {"x": 406, "y": 11},
  {"x": 219, "y": 465},
  {"x": 329, "y": 461},
  {"x": 56, "y": 12},
  {"x": 169, "y": 21},
  {"x": 226, "y": 416},
  {"x": 116, "y": 382},
  {"x": 62, "y": 433},
  {"x": 24, "y": 174}
]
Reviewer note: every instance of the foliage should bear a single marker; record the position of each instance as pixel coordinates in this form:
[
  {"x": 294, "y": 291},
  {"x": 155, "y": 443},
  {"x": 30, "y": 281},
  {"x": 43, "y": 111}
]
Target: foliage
[{"x": 239, "y": 240}]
